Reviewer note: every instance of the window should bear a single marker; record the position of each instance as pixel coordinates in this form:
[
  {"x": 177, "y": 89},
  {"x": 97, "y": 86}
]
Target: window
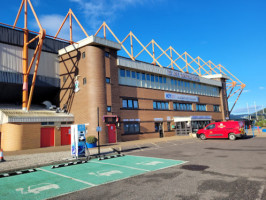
[
  {"x": 122, "y": 73},
  {"x": 152, "y": 78},
  {"x": 127, "y": 73},
  {"x": 148, "y": 77},
  {"x": 84, "y": 81},
  {"x": 201, "y": 107},
  {"x": 138, "y": 75},
  {"x": 216, "y": 108},
  {"x": 172, "y": 82},
  {"x": 160, "y": 105},
  {"x": 156, "y": 79},
  {"x": 131, "y": 128},
  {"x": 107, "y": 54},
  {"x": 212, "y": 126},
  {"x": 83, "y": 54},
  {"x": 47, "y": 123},
  {"x": 135, "y": 104},
  {"x": 182, "y": 106},
  {"x": 133, "y": 74},
  {"x": 64, "y": 78},
  {"x": 130, "y": 103},
  {"x": 109, "y": 109},
  {"x": 143, "y": 77},
  {"x": 168, "y": 126},
  {"x": 164, "y": 79},
  {"x": 160, "y": 79},
  {"x": 108, "y": 80}
]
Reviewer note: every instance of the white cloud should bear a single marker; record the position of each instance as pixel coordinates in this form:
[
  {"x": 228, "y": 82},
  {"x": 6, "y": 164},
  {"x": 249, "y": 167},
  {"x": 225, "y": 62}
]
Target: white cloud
[
  {"x": 261, "y": 88},
  {"x": 104, "y": 10},
  {"x": 246, "y": 91},
  {"x": 51, "y": 24},
  {"x": 247, "y": 109}
]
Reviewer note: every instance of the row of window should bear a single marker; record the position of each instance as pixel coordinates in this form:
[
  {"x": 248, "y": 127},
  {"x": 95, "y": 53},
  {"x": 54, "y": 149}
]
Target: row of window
[
  {"x": 200, "y": 107},
  {"x": 130, "y": 104},
  {"x": 131, "y": 128},
  {"x": 182, "y": 106},
  {"x": 160, "y": 105},
  {"x": 164, "y": 105},
  {"x": 133, "y": 78}
]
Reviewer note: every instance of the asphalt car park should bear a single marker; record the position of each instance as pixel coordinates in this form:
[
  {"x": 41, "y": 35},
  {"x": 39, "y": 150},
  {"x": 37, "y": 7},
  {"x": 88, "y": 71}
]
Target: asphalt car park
[
  {"x": 177, "y": 169},
  {"x": 216, "y": 169}
]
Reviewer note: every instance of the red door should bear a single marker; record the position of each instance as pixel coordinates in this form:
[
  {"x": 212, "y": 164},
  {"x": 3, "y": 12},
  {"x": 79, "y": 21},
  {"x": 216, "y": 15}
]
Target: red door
[
  {"x": 47, "y": 137},
  {"x": 112, "y": 133},
  {"x": 65, "y": 136}
]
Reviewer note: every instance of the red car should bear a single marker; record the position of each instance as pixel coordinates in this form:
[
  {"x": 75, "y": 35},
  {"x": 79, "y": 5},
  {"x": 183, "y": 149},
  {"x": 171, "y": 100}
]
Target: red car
[{"x": 228, "y": 129}]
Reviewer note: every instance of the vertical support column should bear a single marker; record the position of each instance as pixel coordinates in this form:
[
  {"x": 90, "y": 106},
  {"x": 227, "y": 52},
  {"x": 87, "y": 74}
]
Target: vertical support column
[
  {"x": 224, "y": 102},
  {"x": 25, "y": 61},
  {"x": 95, "y": 72}
]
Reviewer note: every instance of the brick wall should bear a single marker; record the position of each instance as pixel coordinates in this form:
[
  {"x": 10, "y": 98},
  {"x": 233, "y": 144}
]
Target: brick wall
[{"x": 20, "y": 136}]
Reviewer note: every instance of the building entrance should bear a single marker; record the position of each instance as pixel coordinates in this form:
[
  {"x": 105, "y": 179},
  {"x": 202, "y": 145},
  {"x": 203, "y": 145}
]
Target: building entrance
[
  {"x": 111, "y": 133},
  {"x": 159, "y": 128}
]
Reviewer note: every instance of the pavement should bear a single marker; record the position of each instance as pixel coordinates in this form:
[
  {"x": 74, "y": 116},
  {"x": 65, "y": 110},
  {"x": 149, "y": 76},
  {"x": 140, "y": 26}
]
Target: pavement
[{"x": 32, "y": 158}]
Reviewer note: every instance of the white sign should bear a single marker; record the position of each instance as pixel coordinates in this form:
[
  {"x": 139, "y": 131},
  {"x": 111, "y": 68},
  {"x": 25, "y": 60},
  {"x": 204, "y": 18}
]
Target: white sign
[
  {"x": 98, "y": 129},
  {"x": 150, "y": 163},
  {"x": 76, "y": 86},
  {"x": 182, "y": 75},
  {"x": 106, "y": 173},
  {"x": 158, "y": 119},
  {"x": 36, "y": 189},
  {"x": 180, "y": 97}
]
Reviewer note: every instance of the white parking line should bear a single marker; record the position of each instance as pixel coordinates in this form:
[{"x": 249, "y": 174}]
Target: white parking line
[
  {"x": 87, "y": 183},
  {"x": 121, "y": 166}
]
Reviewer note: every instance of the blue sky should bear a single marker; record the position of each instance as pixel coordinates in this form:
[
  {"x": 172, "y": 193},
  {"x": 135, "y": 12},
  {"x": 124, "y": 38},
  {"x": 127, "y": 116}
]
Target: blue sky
[{"x": 230, "y": 33}]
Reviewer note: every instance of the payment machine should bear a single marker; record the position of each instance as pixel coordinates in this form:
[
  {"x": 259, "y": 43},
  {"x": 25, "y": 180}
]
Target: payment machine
[{"x": 78, "y": 141}]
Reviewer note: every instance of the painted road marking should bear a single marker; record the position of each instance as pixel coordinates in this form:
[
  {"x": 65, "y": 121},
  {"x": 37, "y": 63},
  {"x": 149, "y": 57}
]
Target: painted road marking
[
  {"x": 104, "y": 163},
  {"x": 48, "y": 183},
  {"x": 91, "y": 184},
  {"x": 36, "y": 189},
  {"x": 149, "y": 163},
  {"x": 106, "y": 173}
]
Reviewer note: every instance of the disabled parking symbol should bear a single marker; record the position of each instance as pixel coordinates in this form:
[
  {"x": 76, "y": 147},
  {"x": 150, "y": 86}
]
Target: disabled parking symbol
[
  {"x": 152, "y": 163},
  {"x": 105, "y": 173},
  {"x": 36, "y": 189}
]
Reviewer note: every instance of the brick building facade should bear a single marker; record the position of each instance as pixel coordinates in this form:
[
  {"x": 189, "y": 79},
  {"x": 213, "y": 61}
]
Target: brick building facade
[{"x": 136, "y": 100}]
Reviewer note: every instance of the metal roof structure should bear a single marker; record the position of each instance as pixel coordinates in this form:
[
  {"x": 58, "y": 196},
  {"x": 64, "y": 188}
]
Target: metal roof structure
[
  {"x": 19, "y": 116},
  {"x": 188, "y": 64}
]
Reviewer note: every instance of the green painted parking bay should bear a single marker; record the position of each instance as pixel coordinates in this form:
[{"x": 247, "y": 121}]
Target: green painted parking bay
[{"x": 46, "y": 182}]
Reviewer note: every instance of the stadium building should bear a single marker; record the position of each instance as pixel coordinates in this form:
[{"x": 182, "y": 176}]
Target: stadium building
[{"x": 87, "y": 82}]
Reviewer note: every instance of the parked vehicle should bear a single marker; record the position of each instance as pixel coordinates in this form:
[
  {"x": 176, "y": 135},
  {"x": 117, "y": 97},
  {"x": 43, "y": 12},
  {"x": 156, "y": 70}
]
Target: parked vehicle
[{"x": 228, "y": 129}]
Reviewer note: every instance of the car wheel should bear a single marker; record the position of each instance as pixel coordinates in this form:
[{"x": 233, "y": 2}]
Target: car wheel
[
  {"x": 202, "y": 137},
  {"x": 232, "y": 136}
]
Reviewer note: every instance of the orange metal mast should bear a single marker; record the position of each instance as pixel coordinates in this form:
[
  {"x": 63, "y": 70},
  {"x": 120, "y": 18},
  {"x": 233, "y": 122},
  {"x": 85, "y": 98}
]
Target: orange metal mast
[
  {"x": 25, "y": 59},
  {"x": 26, "y": 100}
]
